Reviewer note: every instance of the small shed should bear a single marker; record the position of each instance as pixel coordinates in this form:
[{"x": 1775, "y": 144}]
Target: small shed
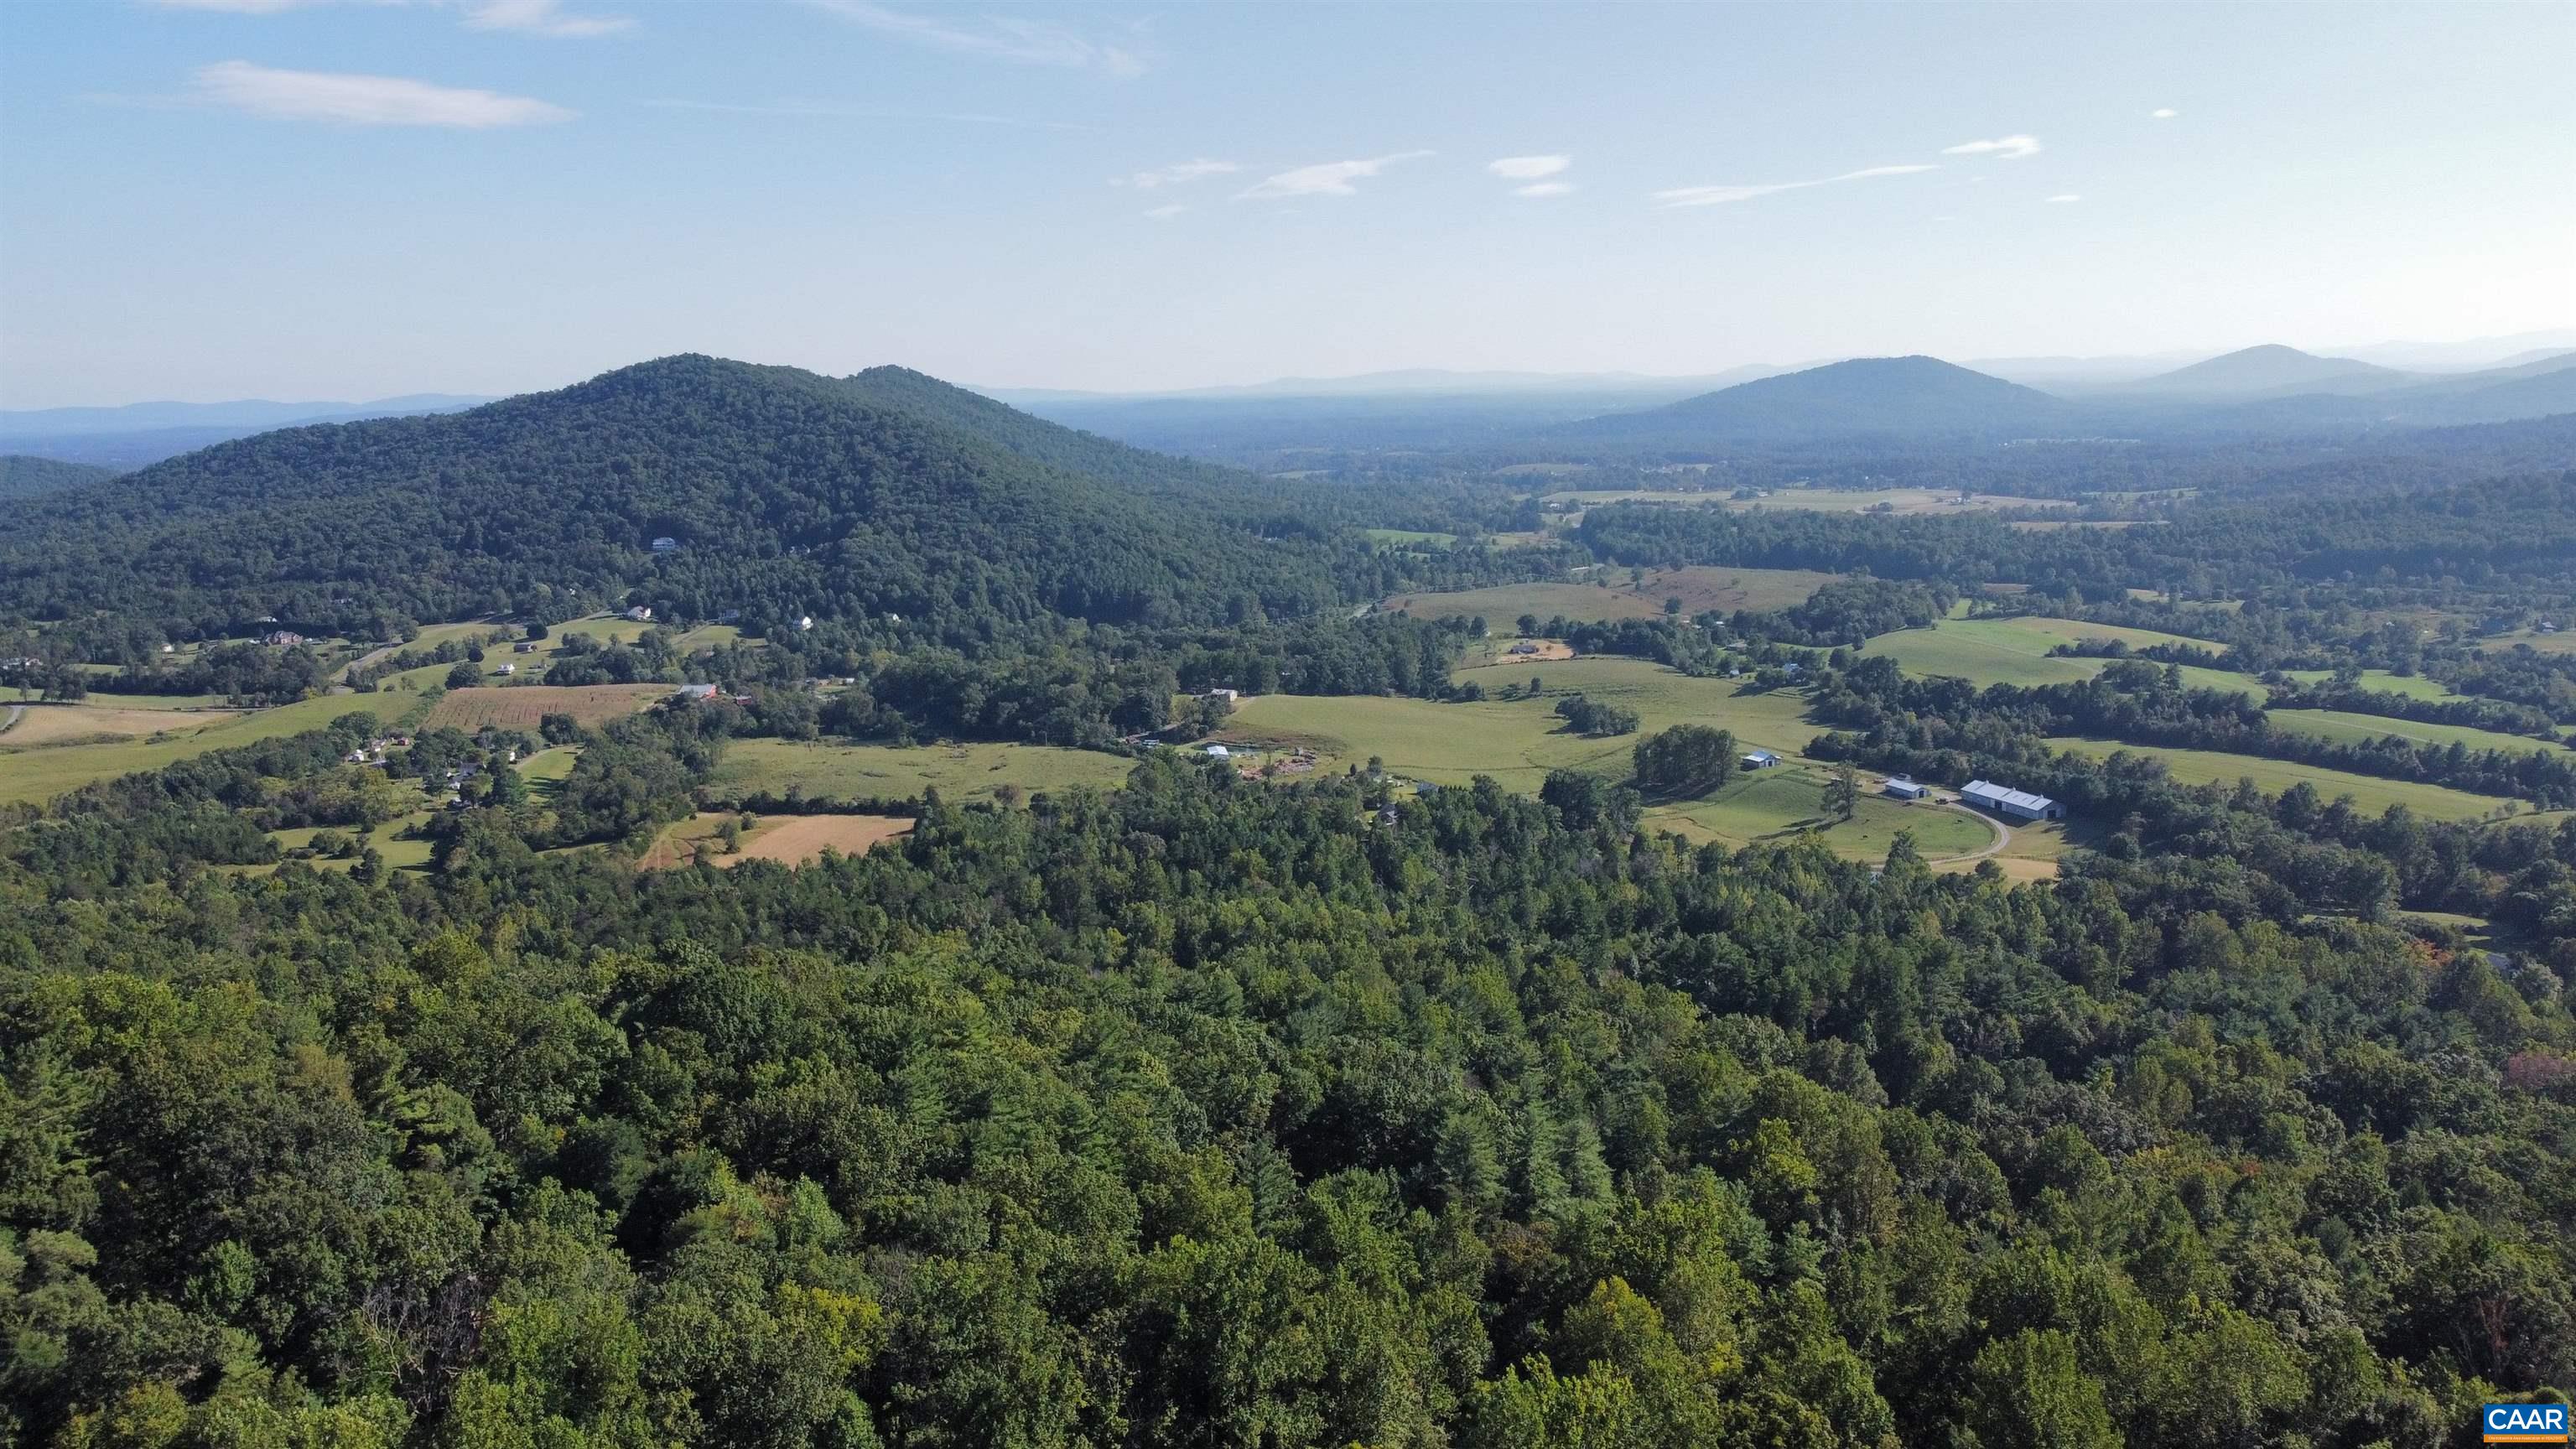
[
  {"x": 1219, "y": 752},
  {"x": 1760, "y": 760},
  {"x": 1904, "y": 788}
]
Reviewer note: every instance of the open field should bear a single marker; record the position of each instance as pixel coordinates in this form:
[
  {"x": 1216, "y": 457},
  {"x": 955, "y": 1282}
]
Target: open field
[
  {"x": 960, "y": 772},
  {"x": 1699, "y": 589},
  {"x": 796, "y": 839},
  {"x": 787, "y": 839},
  {"x": 43, "y": 774},
  {"x": 2412, "y": 686},
  {"x": 1410, "y": 536},
  {"x": 62, "y": 724},
  {"x": 2370, "y": 794},
  {"x": 2015, "y": 651},
  {"x": 521, "y": 706},
  {"x": 1785, "y": 801},
  {"x": 1815, "y": 500},
  {"x": 1519, "y": 741},
  {"x": 2562, "y": 641},
  {"x": 2363, "y": 728}
]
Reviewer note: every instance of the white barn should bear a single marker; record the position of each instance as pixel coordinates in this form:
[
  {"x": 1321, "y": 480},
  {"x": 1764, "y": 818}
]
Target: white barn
[
  {"x": 1904, "y": 787},
  {"x": 2004, "y": 800}
]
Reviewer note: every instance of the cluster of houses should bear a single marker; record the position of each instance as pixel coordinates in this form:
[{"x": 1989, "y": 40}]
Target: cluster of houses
[
  {"x": 373, "y": 751},
  {"x": 282, "y": 638}
]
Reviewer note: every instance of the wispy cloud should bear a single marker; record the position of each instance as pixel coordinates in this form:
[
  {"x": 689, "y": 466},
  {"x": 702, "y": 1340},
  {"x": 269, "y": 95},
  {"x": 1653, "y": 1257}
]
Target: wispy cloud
[
  {"x": 1166, "y": 211},
  {"x": 2009, "y": 148},
  {"x": 528, "y": 17},
  {"x": 1528, "y": 168},
  {"x": 1179, "y": 173},
  {"x": 2163, "y": 113},
  {"x": 1330, "y": 178},
  {"x": 1010, "y": 38},
  {"x": 1722, "y": 195},
  {"x": 829, "y": 110},
  {"x": 2066, "y": 196},
  {"x": 364, "y": 100},
  {"x": 242, "y": 7},
  {"x": 1544, "y": 188},
  {"x": 541, "y": 17}
]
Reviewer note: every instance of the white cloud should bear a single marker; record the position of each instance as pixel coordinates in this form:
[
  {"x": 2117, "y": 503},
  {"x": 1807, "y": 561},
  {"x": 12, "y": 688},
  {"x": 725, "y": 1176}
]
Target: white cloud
[
  {"x": 1178, "y": 174},
  {"x": 241, "y": 7},
  {"x": 1527, "y": 168},
  {"x": 1330, "y": 178},
  {"x": 2163, "y": 113},
  {"x": 1166, "y": 212},
  {"x": 2010, "y": 148},
  {"x": 541, "y": 17},
  {"x": 1721, "y": 195},
  {"x": 1027, "y": 42},
  {"x": 1544, "y": 188},
  {"x": 363, "y": 100},
  {"x": 2066, "y": 196}
]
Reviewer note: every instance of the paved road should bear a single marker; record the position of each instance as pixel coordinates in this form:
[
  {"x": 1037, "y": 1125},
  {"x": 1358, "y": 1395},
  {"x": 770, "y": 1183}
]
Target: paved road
[{"x": 11, "y": 722}]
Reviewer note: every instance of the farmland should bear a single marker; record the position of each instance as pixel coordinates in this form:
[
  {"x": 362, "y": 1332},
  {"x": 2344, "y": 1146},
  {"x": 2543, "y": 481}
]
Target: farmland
[
  {"x": 2370, "y": 794},
  {"x": 41, "y": 774},
  {"x": 2015, "y": 651},
  {"x": 1699, "y": 589},
  {"x": 1519, "y": 741},
  {"x": 959, "y": 772},
  {"x": 63, "y": 724},
  {"x": 2363, "y": 728},
  {"x": 1908, "y": 501},
  {"x": 521, "y": 706},
  {"x": 1784, "y": 801},
  {"x": 787, "y": 839}
]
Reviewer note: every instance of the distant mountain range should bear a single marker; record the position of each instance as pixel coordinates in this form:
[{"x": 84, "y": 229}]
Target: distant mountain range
[
  {"x": 1425, "y": 381},
  {"x": 1869, "y": 396},
  {"x": 139, "y": 433}
]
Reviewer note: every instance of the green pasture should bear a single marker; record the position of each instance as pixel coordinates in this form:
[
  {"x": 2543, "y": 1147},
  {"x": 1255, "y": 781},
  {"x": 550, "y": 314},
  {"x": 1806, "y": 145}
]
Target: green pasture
[
  {"x": 2370, "y": 794},
  {"x": 42, "y": 774}
]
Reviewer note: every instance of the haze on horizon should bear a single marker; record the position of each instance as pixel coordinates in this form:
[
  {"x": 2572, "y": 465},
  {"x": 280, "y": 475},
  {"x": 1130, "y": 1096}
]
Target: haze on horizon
[{"x": 301, "y": 199}]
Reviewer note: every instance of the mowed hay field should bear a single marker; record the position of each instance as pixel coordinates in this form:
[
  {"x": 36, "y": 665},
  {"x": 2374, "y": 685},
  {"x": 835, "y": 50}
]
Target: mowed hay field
[
  {"x": 1699, "y": 589},
  {"x": 1519, "y": 741},
  {"x": 521, "y": 706},
  {"x": 2015, "y": 651},
  {"x": 2363, "y": 728},
  {"x": 890, "y": 772},
  {"x": 41, "y": 774},
  {"x": 787, "y": 839},
  {"x": 62, "y": 724},
  {"x": 2370, "y": 794}
]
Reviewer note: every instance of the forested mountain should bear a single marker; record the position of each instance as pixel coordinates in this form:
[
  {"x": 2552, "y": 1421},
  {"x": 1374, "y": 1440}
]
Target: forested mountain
[
  {"x": 2272, "y": 369},
  {"x": 789, "y": 495},
  {"x": 22, "y": 476},
  {"x": 1913, "y": 396}
]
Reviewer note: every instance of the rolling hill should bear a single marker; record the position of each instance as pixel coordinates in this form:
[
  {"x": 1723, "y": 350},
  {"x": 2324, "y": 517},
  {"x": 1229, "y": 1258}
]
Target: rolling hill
[
  {"x": 788, "y": 494},
  {"x": 1865, "y": 397},
  {"x": 2272, "y": 370},
  {"x": 22, "y": 476}
]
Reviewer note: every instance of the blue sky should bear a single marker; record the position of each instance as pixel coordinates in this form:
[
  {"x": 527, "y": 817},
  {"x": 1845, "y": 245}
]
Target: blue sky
[{"x": 343, "y": 199}]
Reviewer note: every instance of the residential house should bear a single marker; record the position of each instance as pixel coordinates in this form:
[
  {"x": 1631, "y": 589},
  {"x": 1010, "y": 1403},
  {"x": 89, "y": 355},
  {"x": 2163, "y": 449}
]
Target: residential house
[
  {"x": 640, "y": 614},
  {"x": 665, "y": 545}
]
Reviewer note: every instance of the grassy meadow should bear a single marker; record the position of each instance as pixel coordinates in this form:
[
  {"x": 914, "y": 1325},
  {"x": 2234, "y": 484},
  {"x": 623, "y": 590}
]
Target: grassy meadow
[
  {"x": 1614, "y": 597},
  {"x": 2370, "y": 794},
  {"x": 2363, "y": 728},
  {"x": 959, "y": 772},
  {"x": 41, "y": 773},
  {"x": 2015, "y": 651}
]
